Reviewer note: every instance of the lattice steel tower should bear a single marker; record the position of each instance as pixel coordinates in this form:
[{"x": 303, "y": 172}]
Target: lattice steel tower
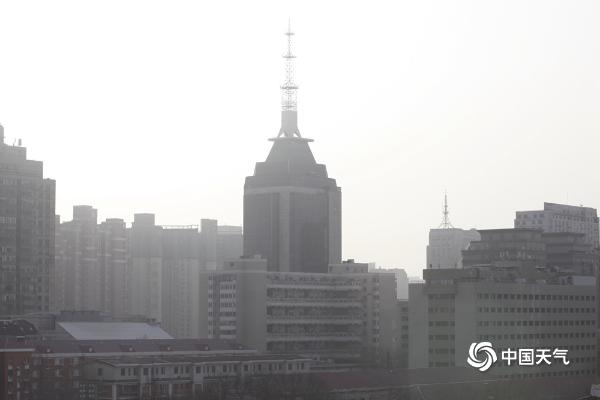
[
  {"x": 289, "y": 93},
  {"x": 446, "y": 224}
]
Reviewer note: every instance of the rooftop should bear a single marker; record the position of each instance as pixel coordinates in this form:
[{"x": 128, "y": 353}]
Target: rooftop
[
  {"x": 113, "y": 330},
  {"x": 171, "y": 346}
]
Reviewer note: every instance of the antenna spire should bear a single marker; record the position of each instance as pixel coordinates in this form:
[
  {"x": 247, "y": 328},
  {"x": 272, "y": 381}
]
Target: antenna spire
[
  {"x": 446, "y": 224},
  {"x": 289, "y": 90}
]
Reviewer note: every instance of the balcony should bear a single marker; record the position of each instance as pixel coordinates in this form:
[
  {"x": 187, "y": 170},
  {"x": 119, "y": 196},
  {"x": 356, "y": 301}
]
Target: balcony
[
  {"x": 314, "y": 319},
  {"x": 333, "y": 302},
  {"x": 317, "y": 337}
]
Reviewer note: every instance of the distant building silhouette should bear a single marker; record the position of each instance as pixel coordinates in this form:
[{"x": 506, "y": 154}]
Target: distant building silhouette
[
  {"x": 446, "y": 243},
  {"x": 26, "y": 232},
  {"x": 77, "y": 278},
  {"x": 562, "y": 218},
  {"x": 292, "y": 209},
  {"x": 145, "y": 270},
  {"x": 112, "y": 259},
  {"x": 181, "y": 256}
]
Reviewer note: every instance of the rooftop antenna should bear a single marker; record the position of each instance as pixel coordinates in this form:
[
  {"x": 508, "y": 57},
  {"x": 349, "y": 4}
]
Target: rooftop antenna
[
  {"x": 446, "y": 224},
  {"x": 289, "y": 92}
]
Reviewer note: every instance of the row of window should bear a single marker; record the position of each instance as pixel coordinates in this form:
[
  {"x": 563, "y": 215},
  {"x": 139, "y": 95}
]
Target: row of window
[
  {"x": 441, "y": 323},
  {"x": 222, "y": 314},
  {"x": 556, "y": 310},
  {"x": 516, "y": 296},
  {"x": 570, "y": 335},
  {"x": 572, "y": 360},
  {"x": 209, "y": 369},
  {"x": 585, "y": 322},
  {"x": 552, "y": 373},
  {"x": 435, "y": 310}
]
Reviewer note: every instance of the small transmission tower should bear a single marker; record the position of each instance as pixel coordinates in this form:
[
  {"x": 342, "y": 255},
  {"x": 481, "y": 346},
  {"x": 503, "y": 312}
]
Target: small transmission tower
[{"x": 446, "y": 224}]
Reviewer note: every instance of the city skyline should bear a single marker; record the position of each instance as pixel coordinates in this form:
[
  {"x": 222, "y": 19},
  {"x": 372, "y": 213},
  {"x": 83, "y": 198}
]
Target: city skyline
[{"x": 393, "y": 138}]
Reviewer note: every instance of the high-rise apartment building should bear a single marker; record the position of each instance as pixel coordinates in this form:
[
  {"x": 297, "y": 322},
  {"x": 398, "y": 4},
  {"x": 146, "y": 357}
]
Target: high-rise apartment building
[
  {"x": 230, "y": 243},
  {"x": 292, "y": 208},
  {"x": 27, "y": 202},
  {"x": 90, "y": 264},
  {"x": 209, "y": 231},
  {"x": 181, "y": 256},
  {"x": 77, "y": 278},
  {"x": 562, "y": 218},
  {"x": 113, "y": 251},
  {"x": 145, "y": 268}
]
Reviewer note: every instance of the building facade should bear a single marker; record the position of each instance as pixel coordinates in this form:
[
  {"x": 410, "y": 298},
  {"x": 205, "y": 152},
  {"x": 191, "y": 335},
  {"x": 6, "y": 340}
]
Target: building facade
[
  {"x": 565, "y": 251},
  {"x": 135, "y": 369},
  {"x": 113, "y": 250},
  {"x": 181, "y": 258},
  {"x": 512, "y": 308},
  {"x": 27, "y": 203},
  {"x": 507, "y": 247},
  {"x": 445, "y": 246},
  {"x": 146, "y": 270},
  {"x": 77, "y": 278},
  {"x": 401, "y": 280},
  {"x": 347, "y": 313},
  {"x": 91, "y": 264},
  {"x": 562, "y": 218},
  {"x": 292, "y": 208}
]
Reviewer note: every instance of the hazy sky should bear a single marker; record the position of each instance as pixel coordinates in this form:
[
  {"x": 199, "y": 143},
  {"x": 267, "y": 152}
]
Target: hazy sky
[{"x": 165, "y": 106}]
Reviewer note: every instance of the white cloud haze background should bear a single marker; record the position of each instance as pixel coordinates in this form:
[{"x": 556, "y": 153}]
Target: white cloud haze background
[{"x": 165, "y": 106}]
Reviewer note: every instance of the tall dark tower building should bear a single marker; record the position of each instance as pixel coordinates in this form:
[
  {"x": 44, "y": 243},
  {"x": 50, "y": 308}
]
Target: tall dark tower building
[
  {"x": 292, "y": 209},
  {"x": 26, "y": 232}
]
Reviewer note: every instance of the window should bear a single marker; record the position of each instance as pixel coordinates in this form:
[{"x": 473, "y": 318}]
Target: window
[{"x": 99, "y": 371}]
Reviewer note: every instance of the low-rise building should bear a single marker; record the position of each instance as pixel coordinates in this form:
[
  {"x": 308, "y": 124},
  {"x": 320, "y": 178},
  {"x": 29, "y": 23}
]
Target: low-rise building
[{"x": 135, "y": 369}]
